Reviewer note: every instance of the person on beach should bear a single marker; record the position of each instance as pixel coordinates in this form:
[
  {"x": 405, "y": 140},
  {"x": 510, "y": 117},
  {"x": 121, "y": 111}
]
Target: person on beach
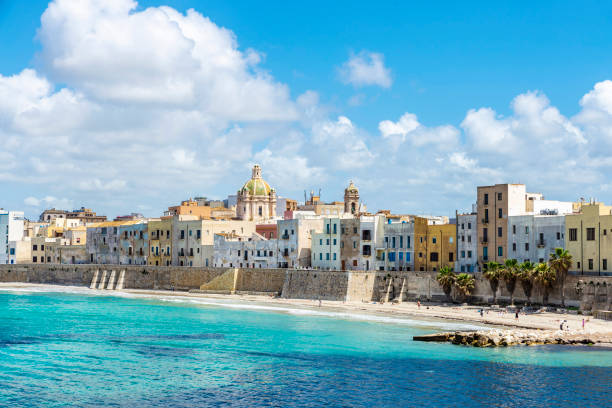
[
  {"x": 561, "y": 325},
  {"x": 582, "y": 323},
  {"x": 419, "y": 306},
  {"x": 516, "y": 314}
]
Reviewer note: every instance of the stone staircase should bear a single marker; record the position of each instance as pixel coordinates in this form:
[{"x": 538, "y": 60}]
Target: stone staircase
[{"x": 108, "y": 280}]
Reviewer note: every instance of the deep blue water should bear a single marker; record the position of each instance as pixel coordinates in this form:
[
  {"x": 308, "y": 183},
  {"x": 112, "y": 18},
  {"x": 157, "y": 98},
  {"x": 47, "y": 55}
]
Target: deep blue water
[{"x": 76, "y": 349}]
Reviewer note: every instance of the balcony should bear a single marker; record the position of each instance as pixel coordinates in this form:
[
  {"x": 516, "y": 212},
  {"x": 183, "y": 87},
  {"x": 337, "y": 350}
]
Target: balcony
[
  {"x": 483, "y": 259},
  {"x": 285, "y": 236},
  {"x": 484, "y": 240},
  {"x": 541, "y": 243},
  {"x": 485, "y": 220}
]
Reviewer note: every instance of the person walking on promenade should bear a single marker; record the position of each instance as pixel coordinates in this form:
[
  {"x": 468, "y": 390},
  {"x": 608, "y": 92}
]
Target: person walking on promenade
[
  {"x": 582, "y": 323},
  {"x": 516, "y": 314},
  {"x": 419, "y": 304}
]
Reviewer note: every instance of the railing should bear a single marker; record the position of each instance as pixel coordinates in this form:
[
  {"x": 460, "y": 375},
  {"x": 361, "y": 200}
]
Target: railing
[
  {"x": 483, "y": 259},
  {"x": 485, "y": 220},
  {"x": 541, "y": 244},
  {"x": 484, "y": 240},
  {"x": 285, "y": 236}
]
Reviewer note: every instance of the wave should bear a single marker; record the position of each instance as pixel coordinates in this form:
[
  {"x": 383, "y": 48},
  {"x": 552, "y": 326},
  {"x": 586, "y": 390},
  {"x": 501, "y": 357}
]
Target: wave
[{"x": 247, "y": 305}]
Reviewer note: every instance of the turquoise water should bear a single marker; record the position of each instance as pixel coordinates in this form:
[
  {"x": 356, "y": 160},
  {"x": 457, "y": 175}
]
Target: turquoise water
[{"x": 77, "y": 349}]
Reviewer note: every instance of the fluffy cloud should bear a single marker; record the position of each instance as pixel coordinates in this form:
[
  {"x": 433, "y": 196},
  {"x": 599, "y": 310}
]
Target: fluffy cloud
[
  {"x": 366, "y": 68},
  {"x": 409, "y": 128}
]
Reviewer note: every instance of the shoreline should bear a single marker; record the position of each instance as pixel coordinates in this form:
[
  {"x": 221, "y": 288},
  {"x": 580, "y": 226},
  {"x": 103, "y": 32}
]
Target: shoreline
[{"x": 430, "y": 313}]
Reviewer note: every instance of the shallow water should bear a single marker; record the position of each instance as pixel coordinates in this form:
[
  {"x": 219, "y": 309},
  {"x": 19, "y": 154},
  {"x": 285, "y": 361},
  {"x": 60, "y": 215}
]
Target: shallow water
[{"x": 63, "y": 349}]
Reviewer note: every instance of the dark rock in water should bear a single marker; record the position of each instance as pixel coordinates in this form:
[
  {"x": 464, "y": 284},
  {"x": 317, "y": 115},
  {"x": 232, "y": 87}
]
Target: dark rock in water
[{"x": 504, "y": 338}]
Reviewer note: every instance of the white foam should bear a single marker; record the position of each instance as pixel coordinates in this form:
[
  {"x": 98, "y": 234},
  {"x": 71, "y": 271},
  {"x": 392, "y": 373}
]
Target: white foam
[{"x": 245, "y": 305}]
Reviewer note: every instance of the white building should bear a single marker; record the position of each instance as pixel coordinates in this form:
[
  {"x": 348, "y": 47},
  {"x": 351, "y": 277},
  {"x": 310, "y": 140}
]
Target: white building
[
  {"x": 295, "y": 241},
  {"x": 11, "y": 229},
  {"x": 325, "y": 252},
  {"x": 467, "y": 242},
  {"x": 236, "y": 251},
  {"x": 534, "y": 237},
  {"x": 372, "y": 236}
]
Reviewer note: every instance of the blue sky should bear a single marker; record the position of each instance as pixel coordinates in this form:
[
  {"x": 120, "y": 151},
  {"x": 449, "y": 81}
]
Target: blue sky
[{"x": 443, "y": 59}]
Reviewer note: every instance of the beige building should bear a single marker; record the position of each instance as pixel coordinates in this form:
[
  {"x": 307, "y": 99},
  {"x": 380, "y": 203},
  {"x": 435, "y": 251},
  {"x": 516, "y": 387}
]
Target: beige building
[{"x": 588, "y": 238}]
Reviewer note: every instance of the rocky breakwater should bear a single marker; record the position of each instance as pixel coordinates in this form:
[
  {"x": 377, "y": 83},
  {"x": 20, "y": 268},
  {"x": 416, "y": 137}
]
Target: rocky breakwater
[{"x": 504, "y": 338}]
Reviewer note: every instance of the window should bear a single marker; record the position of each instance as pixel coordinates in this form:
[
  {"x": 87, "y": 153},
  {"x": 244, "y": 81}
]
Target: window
[
  {"x": 590, "y": 264},
  {"x": 392, "y": 242},
  {"x": 604, "y": 264},
  {"x": 433, "y": 240},
  {"x": 558, "y": 235},
  {"x": 514, "y": 247},
  {"x": 334, "y": 241},
  {"x": 320, "y": 257},
  {"x": 578, "y": 265},
  {"x": 590, "y": 234},
  {"x": 469, "y": 225},
  {"x": 407, "y": 256},
  {"x": 486, "y": 219},
  {"x": 462, "y": 226},
  {"x": 335, "y": 230},
  {"x": 366, "y": 235},
  {"x": 391, "y": 256},
  {"x": 327, "y": 241},
  {"x": 462, "y": 268},
  {"x": 499, "y": 213},
  {"x": 420, "y": 254},
  {"x": 182, "y": 234},
  {"x": 499, "y": 231},
  {"x": 401, "y": 239},
  {"x": 34, "y": 248},
  {"x": 573, "y": 234},
  {"x": 198, "y": 234},
  {"x": 499, "y": 196},
  {"x": 526, "y": 246},
  {"x": 34, "y": 259},
  {"x": 12, "y": 251},
  {"x": 355, "y": 244},
  {"x": 514, "y": 229},
  {"x": 450, "y": 240},
  {"x": 334, "y": 256},
  {"x": 407, "y": 242},
  {"x": 190, "y": 231},
  {"x": 469, "y": 254},
  {"x": 42, "y": 247},
  {"x": 500, "y": 251},
  {"x": 320, "y": 242},
  {"x": 367, "y": 250},
  {"x": 260, "y": 211},
  {"x": 605, "y": 231},
  {"x": 463, "y": 238},
  {"x": 526, "y": 230},
  {"x": 354, "y": 230},
  {"x": 433, "y": 257},
  {"x": 327, "y": 256},
  {"x": 486, "y": 199},
  {"x": 469, "y": 238}
]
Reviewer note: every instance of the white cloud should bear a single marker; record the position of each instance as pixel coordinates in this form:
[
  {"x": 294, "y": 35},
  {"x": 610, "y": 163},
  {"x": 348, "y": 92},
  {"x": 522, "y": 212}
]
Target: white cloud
[
  {"x": 48, "y": 201},
  {"x": 366, "y": 68},
  {"x": 408, "y": 128}
]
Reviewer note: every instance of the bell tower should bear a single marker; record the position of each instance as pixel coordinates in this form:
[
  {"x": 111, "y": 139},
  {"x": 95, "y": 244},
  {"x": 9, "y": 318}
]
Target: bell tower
[{"x": 351, "y": 199}]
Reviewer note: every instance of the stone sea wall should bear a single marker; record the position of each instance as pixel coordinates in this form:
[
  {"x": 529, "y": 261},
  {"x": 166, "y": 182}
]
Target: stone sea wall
[{"x": 586, "y": 292}]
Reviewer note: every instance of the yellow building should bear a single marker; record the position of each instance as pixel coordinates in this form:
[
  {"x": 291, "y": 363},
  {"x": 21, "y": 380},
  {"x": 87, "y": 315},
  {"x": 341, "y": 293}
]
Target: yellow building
[
  {"x": 435, "y": 245},
  {"x": 588, "y": 238},
  {"x": 160, "y": 242}
]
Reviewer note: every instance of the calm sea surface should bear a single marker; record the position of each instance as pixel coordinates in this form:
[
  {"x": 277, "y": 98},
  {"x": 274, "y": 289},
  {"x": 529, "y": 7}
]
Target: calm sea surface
[{"x": 77, "y": 349}]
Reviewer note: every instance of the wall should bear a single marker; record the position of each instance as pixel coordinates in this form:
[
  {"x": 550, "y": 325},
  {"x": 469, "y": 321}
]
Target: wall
[{"x": 590, "y": 293}]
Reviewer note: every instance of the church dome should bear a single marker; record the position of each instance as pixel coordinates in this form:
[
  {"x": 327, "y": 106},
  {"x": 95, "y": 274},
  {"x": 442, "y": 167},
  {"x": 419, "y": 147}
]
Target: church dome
[
  {"x": 351, "y": 188},
  {"x": 256, "y": 185}
]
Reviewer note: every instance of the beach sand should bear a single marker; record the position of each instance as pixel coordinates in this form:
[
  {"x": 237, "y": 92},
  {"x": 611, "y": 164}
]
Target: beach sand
[{"x": 427, "y": 312}]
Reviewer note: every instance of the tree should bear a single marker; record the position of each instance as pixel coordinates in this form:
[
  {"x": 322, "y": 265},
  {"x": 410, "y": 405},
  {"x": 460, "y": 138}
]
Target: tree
[
  {"x": 545, "y": 277},
  {"x": 509, "y": 273},
  {"x": 561, "y": 261},
  {"x": 493, "y": 275},
  {"x": 464, "y": 283},
  {"x": 446, "y": 278},
  {"x": 526, "y": 276}
]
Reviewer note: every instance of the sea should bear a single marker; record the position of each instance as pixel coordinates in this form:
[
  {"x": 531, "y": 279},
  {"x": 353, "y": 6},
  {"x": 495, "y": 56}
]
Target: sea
[{"x": 64, "y": 347}]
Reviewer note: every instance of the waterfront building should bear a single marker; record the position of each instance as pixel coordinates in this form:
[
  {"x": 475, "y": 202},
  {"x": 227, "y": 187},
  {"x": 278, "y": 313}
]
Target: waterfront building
[
  {"x": 160, "y": 241},
  {"x": 39, "y": 249},
  {"x": 397, "y": 252},
  {"x": 467, "y": 242},
  {"x": 256, "y": 200},
  {"x": 134, "y": 243},
  {"x": 60, "y": 251},
  {"x": 20, "y": 252},
  {"x": 295, "y": 241},
  {"x": 193, "y": 238},
  {"x": 11, "y": 229},
  {"x": 441, "y": 246},
  {"x": 588, "y": 238},
  {"x": 268, "y": 231},
  {"x": 325, "y": 252},
  {"x": 103, "y": 241},
  {"x": 242, "y": 251},
  {"x": 533, "y": 237},
  {"x": 498, "y": 202},
  {"x": 202, "y": 208},
  {"x": 350, "y": 244},
  {"x": 371, "y": 229}
]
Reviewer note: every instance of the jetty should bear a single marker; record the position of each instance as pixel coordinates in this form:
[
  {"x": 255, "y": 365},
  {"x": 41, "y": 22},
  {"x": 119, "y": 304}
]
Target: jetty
[{"x": 514, "y": 337}]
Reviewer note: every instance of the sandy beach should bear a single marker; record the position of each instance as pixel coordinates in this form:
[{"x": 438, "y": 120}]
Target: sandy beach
[{"x": 428, "y": 312}]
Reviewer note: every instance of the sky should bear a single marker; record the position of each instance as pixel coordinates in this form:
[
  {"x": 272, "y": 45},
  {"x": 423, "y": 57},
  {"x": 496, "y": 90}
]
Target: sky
[{"x": 126, "y": 106}]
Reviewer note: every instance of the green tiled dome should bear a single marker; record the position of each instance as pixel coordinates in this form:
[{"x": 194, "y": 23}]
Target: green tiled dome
[{"x": 256, "y": 187}]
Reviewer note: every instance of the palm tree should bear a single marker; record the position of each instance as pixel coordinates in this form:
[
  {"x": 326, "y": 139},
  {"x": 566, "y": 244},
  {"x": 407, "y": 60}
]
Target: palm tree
[
  {"x": 464, "y": 283},
  {"x": 446, "y": 278},
  {"x": 509, "y": 272},
  {"x": 493, "y": 275},
  {"x": 545, "y": 277},
  {"x": 526, "y": 276},
  {"x": 561, "y": 261}
]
